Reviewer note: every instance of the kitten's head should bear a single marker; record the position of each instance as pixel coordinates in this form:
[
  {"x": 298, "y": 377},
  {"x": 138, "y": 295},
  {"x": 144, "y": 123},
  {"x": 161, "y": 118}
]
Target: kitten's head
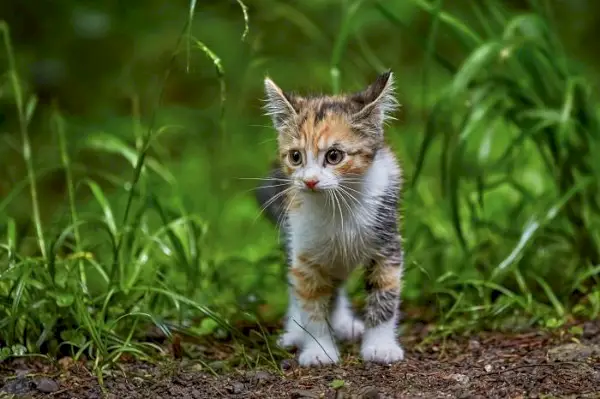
[{"x": 326, "y": 141}]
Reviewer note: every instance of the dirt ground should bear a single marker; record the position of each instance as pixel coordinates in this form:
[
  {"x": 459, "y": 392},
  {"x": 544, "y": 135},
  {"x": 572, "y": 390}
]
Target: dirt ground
[{"x": 489, "y": 365}]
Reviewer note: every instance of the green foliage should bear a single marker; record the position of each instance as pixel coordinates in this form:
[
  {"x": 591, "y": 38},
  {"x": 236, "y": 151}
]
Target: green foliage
[
  {"x": 155, "y": 223},
  {"x": 518, "y": 128}
]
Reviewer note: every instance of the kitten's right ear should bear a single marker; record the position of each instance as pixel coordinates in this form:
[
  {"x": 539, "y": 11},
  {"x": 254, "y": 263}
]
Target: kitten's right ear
[{"x": 280, "y": 107}]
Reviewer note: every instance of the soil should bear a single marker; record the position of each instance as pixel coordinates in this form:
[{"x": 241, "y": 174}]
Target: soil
[{"x": 488, "y": 365}]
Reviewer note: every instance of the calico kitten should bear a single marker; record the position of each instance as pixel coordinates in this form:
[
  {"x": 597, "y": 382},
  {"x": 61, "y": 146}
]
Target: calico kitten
[{"x": 336, "y": 194}]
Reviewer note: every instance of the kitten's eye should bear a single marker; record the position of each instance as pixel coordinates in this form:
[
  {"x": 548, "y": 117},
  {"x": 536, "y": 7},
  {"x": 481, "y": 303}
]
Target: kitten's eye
[
  {"x": 295, "y": 157},
  {"x": 333, "y": 157}
]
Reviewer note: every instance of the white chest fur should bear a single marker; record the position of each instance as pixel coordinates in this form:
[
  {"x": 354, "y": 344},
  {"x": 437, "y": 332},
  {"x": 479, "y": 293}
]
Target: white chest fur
[{"x": 338, "y": 233}]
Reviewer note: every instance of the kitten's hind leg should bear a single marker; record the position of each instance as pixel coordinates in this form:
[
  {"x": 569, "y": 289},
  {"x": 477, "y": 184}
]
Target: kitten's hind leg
[
  {"x": 383, "y": 277},
  {"x": 345, "y": 324}
]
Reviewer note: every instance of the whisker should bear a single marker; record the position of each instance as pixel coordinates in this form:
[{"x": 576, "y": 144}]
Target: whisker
[
  {"x": 350, "y": 195},
  {"x": 340, "y": 209},
  {"x": 283, "y": 217},
  {"x": 351, "y": 189},
  {"x": 270, "y": 186},
  {"x": 271, "y": 201},
  {"x": 264, "y": 179},
  {"x": 262, "y": 187}
]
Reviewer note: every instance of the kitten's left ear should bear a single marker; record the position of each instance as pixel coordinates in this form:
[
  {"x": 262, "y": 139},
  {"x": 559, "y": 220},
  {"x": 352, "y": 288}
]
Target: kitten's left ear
[
  {"x": 280, "y": 106},
  {"x": 378, "y": 100}
]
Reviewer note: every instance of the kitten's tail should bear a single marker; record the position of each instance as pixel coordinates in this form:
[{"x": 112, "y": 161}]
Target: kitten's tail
[{"x": 268, "y": 189}]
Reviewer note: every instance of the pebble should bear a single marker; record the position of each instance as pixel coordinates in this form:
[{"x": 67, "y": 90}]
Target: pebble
[
  {"x": 46, "y": 385},
  {"x": 22, "y": 373},
  {"x": 591, "y": 329},
  {"x": 488, "y": 368},
  {"x": 573, "y": 352},
  {"x": 304, "y": 394},
  {"x": 287, "y": 364},
  {"x": 463, "y": 379},
  {"x": 368, "y": 393},
  {"x": 218, "y": 365},
  {"x": 474, "y": 345},
  {"x": 237, "y": 388},
  {"x": 262, "y": 377}
]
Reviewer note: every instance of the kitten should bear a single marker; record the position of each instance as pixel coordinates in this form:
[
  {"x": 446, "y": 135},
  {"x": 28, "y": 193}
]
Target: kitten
[{"x": 336, "y": 194}]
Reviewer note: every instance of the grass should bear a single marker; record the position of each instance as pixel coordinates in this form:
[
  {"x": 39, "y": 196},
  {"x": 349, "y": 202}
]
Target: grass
[{"x": 155, "y": 230}]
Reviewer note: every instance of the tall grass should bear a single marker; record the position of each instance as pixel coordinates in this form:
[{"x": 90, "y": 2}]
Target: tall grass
[
  {"x": 518, "y": 129},
  {"x": 104, "y": 278}
]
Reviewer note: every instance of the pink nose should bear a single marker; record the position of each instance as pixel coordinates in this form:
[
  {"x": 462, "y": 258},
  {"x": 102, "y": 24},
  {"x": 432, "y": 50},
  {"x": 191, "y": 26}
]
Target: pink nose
[{"x": 311, "y": 183}]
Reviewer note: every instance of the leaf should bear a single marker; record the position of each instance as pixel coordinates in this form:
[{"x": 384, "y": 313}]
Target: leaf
[
  {"x": 5, "y": 353},
  {"x": 104, "y": 204},
  {"x": 64, "y": 299},
  {"x": 337, "y": 384},
  {"x": 114, "y": 145},
  {"x": 534, "y": 224},
  {"x": 477, "y": 63},
  {"x": 30, "y": 108},
  {"x": 18, "y": 350}
]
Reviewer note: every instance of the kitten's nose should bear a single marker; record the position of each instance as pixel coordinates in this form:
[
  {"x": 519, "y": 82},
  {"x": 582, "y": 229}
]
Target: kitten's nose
[{"x": 311, "y": 183}]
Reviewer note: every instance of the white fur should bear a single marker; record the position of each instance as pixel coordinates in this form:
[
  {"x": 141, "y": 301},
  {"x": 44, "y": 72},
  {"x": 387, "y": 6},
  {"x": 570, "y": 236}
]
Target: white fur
[
  {"x": 294, "y": 334},
  {"x": 380, "y": 344},
  {"x": 338, "y": 235},
  {"x": 346, "y": 326}
]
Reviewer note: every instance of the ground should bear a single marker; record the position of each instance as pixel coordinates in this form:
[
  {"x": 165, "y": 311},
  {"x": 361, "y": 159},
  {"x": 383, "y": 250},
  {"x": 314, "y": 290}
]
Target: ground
[{"x": 563, "y": 363}]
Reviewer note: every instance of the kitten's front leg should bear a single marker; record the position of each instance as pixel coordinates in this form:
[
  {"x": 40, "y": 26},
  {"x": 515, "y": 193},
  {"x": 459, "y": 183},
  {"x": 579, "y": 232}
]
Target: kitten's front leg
[
  {"x": 313, "y": 292},
  {"x": 293, "y": 334},
  {"x": 383, "y": 278}
]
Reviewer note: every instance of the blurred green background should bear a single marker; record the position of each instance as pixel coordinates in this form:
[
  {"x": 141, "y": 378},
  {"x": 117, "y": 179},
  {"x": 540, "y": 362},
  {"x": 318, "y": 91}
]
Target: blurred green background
[{"x": 500, "y": 228}]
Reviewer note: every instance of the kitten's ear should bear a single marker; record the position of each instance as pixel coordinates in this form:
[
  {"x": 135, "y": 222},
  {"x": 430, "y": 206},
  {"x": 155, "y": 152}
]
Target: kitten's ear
[
  {"x": 378, "y": 100},
  {"x": 280, "y": 106}
]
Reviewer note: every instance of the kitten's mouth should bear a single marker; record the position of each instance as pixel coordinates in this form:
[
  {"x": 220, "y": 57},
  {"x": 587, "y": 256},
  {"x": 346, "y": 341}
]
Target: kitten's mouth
[{"x": 312, "y": 190}]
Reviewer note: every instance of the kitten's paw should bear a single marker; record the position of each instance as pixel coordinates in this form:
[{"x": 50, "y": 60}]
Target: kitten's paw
[
  {"x": 350, "y": 329},
  {"x": 385, "y": 352},
  {"x": 314, "y": 355},
  {"x": 290, "y": 339}
]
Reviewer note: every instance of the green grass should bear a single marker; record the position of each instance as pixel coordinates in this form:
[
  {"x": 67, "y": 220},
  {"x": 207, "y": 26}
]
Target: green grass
[{"x": 154, "y": 224}]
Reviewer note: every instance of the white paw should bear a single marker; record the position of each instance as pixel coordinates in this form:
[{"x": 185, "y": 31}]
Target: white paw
[
  {"x": 290, "y": 339},
  {"x": 384, "y": 352},
  {"x": 350, "y": 329},
  {"x": 314, "y": 355}
]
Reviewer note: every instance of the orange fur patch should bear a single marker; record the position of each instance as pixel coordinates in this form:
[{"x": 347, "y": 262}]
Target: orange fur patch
[
  {"x": 385, "y": 278},
  {"x": 309, "y": 284}
]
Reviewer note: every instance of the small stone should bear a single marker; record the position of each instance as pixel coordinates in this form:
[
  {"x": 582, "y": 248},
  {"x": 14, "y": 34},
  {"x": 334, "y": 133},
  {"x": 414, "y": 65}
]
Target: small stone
[
  {"x": 591, "y": 329},
  {"x": 66, "y": 362},
  {"x": 368, "y": 393},
  {"x": 237, "y": 388},
  {"x": 262, "y": 377},
  {"x": 488, "y": 368},
  {"x": 304, "y": 394},
  {"x": 197, "y": 367},
  {"x": 573, "y": 352},
  {"x": 46, "y": 385},
  {"x": 341, "y": 393},
  {"x": 21, "y": 373},
  {"x": 17, "y": 386},
  {"x": 218, "y": 365},
  {"x": 461, "y": 378},
  {"x": 474, "y": 345},
  {"x": 287, "y": 364}
]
